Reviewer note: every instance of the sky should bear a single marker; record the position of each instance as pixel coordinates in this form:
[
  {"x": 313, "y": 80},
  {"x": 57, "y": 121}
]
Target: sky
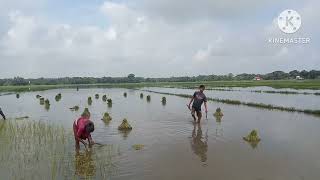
[{"x": 152, "y": 38}]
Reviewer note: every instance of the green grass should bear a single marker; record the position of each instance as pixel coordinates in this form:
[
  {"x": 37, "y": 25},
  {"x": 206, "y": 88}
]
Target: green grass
[{"x": 294, "y": 84}]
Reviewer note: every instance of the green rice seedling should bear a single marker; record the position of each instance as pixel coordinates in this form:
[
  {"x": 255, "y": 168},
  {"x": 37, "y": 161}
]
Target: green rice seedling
[
  {"x": 164, "y": 100},
  {"x": 137, "y": 146},
  {"x": 38, "y": 96},
  {"x": 104, "y": 98},
  {"x": 124, "y": 126},
  {"x": 86, "y": 112},
  {"x": 97, "y": 96},
  {"x": 148, "y": 98},
  {"x": 74, "y": 108},
  {"x": 89, "y": 101},
  {"x": 41, "y": 101},
  {"x": 47, "y": 104},
  {"x": 58, "y": 97},
  {"x": 141, "y": 95},
  {"x": 17, "y": 96},
  {"x": 106, "y": 117},
  {"x": 109, "y": 102},
  {"x": 21, "y": 118},
  {"x": 252, "y": 136},
  {"x": 218, "y": 112},
  {"x": 125, "y": 94}
]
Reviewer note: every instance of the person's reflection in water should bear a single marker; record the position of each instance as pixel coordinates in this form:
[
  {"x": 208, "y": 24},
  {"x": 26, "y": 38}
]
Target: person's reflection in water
[
  {"x": 199, "y": 144},
  {"x": 84, "y": 164}
]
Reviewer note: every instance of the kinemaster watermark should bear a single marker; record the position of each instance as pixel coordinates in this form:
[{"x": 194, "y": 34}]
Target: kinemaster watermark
[{"x": 289, "y": 22}]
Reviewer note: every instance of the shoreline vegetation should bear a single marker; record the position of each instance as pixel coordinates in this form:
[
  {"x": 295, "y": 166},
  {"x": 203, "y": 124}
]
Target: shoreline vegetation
[
  {"x": 250, "y": 104},
  {"x": 214, "y": 85}
]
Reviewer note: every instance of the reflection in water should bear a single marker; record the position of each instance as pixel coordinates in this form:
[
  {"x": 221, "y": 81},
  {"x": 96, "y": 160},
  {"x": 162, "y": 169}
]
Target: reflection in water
[
  {"x": 219, "y": 129},
  {"x": 253, "y": 144},
  {"x": 125, "y": 133},
  {"x": 199, "y": 144},
  {"x": 84, "y": 164}
]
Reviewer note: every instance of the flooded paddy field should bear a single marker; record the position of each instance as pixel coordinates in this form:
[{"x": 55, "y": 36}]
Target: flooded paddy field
[
  {"x": 172, "y": 146},
  {"x": 299, "y": 101}
]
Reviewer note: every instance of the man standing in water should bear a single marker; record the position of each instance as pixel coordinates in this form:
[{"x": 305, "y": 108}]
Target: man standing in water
[
  {"x": 82, "y": 129},
  {"x": 3, "y": 116},
  {"x": 197, "y": 99}
]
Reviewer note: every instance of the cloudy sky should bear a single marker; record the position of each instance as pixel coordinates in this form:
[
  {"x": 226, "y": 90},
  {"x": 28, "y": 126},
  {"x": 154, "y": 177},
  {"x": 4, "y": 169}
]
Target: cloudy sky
[{"x": 152, "y": 38}]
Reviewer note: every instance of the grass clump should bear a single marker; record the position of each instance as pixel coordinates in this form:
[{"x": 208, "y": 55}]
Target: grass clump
[
  {"x": 125, "y": 125},
  {"x": 137, "y": 146},
  {"x": 47, "y": 104},
  {"x": 97, "y": 96},
  {"x": 86, "y": 112},
  {"x": 74, "y": 108},
  {"x": 164, "y": 100},
  {"x": 218, "y": 112},
  {"x": 148, "y": 98},
  {"x": 106, "y": 117},
  {"x": 58, "y": 97},
  {"x": 104, "y": 98},
  {"x": 89, "y": 101},
  {"x": 41, "y": 100},
  {"x": 252, "y": 136},
  {"x": 125, "y": 94},
  {"x": 109, "y": 101}
]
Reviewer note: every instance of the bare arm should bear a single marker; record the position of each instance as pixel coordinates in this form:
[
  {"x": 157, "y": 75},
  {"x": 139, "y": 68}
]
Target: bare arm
[{"x": 190, "y": 102}]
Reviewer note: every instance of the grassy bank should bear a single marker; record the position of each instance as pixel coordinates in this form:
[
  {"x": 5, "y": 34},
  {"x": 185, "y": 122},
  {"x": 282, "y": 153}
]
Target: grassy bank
[
  {"x": 306, "y": 84},
  {"x": 250, "y": 104}
]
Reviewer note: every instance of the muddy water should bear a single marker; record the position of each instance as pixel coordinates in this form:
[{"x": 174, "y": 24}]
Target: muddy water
[
  {"x": 174, "y": 146},
  {"x": 299, "y": 101}
]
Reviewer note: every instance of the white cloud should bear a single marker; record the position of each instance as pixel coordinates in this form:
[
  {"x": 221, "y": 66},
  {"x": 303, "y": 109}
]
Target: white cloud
[{"x": 151, "y": 38}]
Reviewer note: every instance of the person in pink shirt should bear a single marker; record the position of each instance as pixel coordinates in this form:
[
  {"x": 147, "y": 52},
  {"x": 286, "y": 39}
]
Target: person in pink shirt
[{"x": 82, "y": 129}]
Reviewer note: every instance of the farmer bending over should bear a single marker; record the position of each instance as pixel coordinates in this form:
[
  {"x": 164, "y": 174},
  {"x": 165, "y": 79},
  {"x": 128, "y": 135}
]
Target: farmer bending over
[
  {"x": 82, "y": 128},
  {"x": 197, "y": 99},
  {"x": 3, "y": 116}
]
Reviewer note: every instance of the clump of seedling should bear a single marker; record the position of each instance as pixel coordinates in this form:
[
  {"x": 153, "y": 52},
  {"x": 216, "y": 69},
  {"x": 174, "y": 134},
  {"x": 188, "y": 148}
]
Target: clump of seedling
[
  {"x": 252, "y": 137},
  {"x": 104, "y": 98},
  {"x": 141, "y": 95},
  {"x": 41, "y": 101},
  {"x": 125, "y": 94},
  {"x": 137, "y": 146},
  {"x": 38, "y": 96},
  {"x": 47, "y": 104},
  {"x": 58, "y": 97},
  {"x": 97, "y": 96},
  {"x": 106, "y": 117},
  {"x": 109, "y": 101},
  {"x": 218, "y": 113},
  {"x": 89, "y": 100},
  {"x": 17, "y": 96},
  {"x": 86, "y": 112},
  {"x": 74, "y": 108},
  {"x": 148, "y": 98},
  {"x": 125, "y": 126},
  {"x": 164, "y": 100}
]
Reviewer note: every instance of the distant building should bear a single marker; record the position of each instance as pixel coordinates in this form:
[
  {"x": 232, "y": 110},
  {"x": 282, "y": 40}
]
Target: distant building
[
  {"x": 257, "y": 78},
  {"x": 299, "y": 78}
]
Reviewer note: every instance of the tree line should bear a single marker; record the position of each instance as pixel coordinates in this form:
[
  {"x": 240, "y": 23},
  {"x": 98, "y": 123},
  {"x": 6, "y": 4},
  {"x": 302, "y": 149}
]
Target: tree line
[{"x": 131, "y": 78}]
